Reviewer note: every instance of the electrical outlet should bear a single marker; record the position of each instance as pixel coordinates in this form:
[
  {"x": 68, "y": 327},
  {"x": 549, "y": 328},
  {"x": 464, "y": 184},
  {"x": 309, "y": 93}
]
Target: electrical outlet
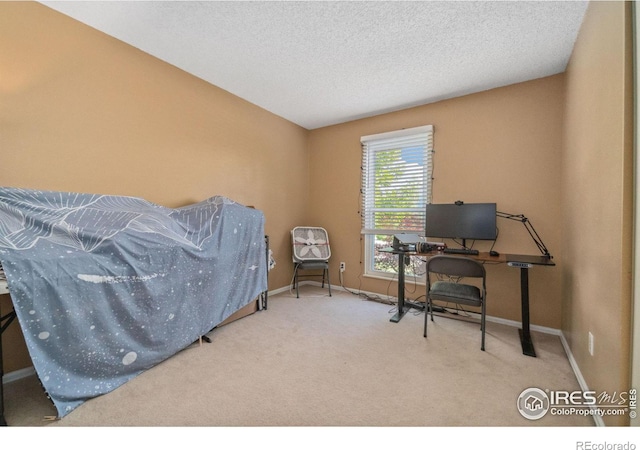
[
  {"x": 343, "y": 266},
  {"x": 590, "y": 343}
]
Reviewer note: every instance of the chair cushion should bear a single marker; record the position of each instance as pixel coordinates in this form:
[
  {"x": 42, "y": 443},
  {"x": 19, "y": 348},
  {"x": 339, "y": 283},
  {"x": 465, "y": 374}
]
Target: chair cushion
[{"x": 455, "y": 292}]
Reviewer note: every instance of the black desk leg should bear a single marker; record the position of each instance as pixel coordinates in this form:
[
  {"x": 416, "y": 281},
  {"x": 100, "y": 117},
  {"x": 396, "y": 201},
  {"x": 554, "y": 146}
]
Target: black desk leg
[
  {"x": 525, "y": 333},
  {"x": 401, "y": 308}
]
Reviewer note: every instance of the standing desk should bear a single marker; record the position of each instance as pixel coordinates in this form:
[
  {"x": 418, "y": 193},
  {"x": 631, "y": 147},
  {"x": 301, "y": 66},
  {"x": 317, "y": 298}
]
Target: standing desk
[{"x": 523, "y": 262}]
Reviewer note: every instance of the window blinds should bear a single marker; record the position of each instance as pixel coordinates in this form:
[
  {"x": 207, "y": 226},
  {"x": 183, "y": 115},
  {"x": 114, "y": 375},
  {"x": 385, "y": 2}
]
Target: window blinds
[{"x": 396, "y": 180}]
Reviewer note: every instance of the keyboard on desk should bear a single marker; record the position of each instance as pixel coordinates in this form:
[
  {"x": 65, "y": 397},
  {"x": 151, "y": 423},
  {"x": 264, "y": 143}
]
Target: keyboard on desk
[{"x": 461, "y": 251}]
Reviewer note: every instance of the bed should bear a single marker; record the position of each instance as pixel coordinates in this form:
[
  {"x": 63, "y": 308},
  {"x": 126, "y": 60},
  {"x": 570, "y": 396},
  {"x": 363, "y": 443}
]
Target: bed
[{"x": 105, "y": 287}]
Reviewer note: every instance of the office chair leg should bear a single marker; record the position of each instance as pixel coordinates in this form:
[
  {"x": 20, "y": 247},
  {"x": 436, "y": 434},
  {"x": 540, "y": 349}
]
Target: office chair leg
[
  {"x": 425, "y": 326},
  {"x": 483, "y": 326},
  {"x": 426, "y": 318}
]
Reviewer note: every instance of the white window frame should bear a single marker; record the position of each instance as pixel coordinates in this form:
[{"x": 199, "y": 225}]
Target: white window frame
[{"x": 378, "y": 144}]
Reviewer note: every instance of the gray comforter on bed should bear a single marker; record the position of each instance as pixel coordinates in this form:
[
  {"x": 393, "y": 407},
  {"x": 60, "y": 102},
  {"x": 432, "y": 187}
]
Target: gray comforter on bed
[{"x": 106, "y": 286}]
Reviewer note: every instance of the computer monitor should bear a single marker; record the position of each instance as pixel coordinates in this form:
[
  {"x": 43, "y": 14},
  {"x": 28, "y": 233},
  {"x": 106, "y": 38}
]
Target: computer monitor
[{"x": 461, "y": 221}]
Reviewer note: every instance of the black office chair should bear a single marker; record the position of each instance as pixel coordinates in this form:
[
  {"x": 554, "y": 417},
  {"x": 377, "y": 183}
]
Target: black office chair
[
  {"x": 311, "y": 252},
  {"x": 452, "y": 290}
]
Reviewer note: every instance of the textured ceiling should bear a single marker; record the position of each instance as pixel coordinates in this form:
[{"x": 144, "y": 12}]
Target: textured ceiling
[{"x": 319, "y": 63}]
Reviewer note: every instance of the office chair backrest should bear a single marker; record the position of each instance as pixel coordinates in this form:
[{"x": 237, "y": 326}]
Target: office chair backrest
[
  {"x": 455, "y": 266},
  {"x": 452, "y": 291}
]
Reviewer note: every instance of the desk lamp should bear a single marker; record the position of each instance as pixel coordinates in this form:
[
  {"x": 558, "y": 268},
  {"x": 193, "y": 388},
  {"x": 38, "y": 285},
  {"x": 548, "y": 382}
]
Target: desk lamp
[{"x": 529, "y": 227}]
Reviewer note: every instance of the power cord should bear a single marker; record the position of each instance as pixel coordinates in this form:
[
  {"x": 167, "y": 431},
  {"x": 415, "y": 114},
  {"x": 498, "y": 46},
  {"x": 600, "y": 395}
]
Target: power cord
[{"x": 364, "y": 295}]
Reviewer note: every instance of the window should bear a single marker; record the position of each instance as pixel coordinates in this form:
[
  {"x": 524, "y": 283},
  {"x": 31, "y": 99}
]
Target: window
[{"x": 396, "y": 186}]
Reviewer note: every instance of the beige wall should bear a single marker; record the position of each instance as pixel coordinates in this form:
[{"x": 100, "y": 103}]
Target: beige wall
[
  {"x": 559, "y": 150},
  {"x": 502, "y": 145},
  {"x": 597, "y": 188},
  {"x": 80, "y": 111}
]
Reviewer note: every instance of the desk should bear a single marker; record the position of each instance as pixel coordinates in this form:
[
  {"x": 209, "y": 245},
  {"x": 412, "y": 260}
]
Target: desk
[{"x": 523, "y": 262}]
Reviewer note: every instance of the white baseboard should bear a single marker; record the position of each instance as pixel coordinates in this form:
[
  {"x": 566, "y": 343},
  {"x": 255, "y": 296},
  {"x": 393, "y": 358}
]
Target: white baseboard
[
  {"x": 285, "y": 289},
  {"x": 28, "y": 371},
  {"x": 513, "y": 323},
  {"x": 18, "y": 374},
  {"x": 581, "y": 381}
]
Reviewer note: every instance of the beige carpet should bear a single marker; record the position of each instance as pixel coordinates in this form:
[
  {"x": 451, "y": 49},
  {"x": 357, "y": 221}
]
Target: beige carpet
[{"x": 327, "y": 361}]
